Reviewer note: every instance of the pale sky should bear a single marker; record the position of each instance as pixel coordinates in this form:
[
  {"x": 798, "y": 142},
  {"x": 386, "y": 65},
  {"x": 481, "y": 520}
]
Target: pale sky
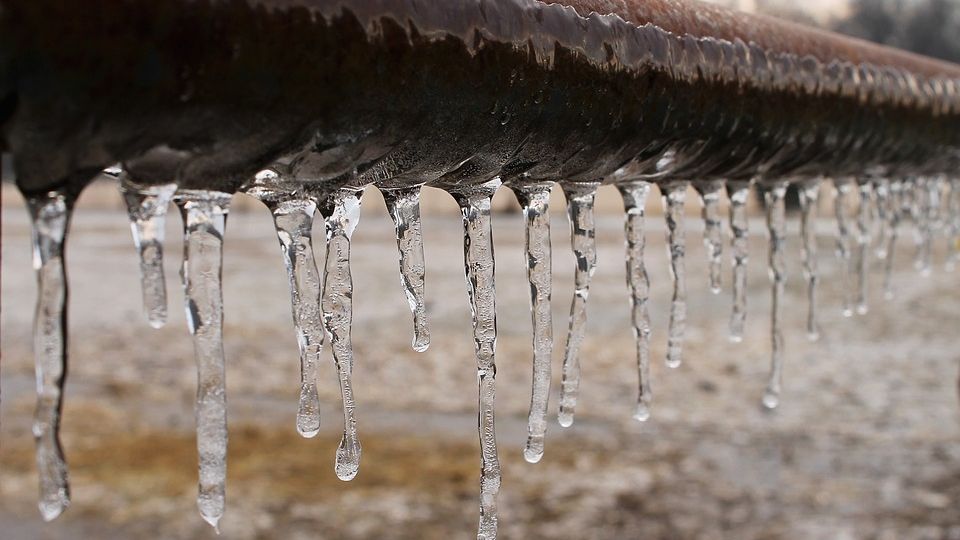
[{"x": 820, "y": 9}]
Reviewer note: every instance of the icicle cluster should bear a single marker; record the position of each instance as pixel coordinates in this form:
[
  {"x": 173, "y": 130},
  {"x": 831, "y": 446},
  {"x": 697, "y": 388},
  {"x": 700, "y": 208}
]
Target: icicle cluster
[{"x": 322, "y": 302}]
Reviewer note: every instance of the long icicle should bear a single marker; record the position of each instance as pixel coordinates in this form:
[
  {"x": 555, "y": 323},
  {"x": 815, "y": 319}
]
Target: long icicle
[
  {"x": 895, "y": 212},
  {"x": 147, "y": 210},
  {"x": 404, "y": 207},
  {"x": 634, "y": 203},
  {"x": 50, "y": 215},
  {"x": 204, "y": 215},
  {"x": 674, "y": 197},
  {"x": 843, "y": 188},
  {"x": 342, "y": 211},
  {"x": 809, "y": 198},
  {"x": 479, "y": 272},
  {"x": 580, "y": 200},
  {"x": 293, "y": 220},
  {"x": 535, "y": 200},
  {"x": 712, "y": 230},
  {"x": 738, "y": 192},
  {"x": 864, "y": 212},
  {"x": 776, "y": 225}
]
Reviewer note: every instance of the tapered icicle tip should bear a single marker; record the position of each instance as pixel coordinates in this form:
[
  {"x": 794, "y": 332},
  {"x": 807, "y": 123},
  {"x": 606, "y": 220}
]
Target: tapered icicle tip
[
  {"x": 50, "y": 509},
  {"x": 771, "y": 399},
  {"x": 533, "y": 453},
  {"x": 308, "y": 415},
  {"x": 642, "y": 413},
  {"x": 348, "y": 460},
  {"x": 565, "y": 419}
]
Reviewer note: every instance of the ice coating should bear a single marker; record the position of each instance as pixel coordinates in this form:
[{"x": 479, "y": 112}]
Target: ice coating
[
  {"x": 864, "y": 222},
  {"x": 204, "y": 216},
  {"x": 478, "y": 264},
  {"x": 634, "y": 197},
  {"x": 147, "y": 210},
  {"x": 580, "y": 200},
  {"x": 674, "y": 197},
  {"x": 712, "y": 230},
  {"x": 342, "y": 212},
  {"x": 738, "y": 193},
  {"x": 50, "y": 215},
  {"x": 535, "y": 200},
  {"x": 776, "y": 226},
  {"x": 809, "y": 199},
  {"x": 843, "y": 189},
  {"x": 404, "y": 207}
]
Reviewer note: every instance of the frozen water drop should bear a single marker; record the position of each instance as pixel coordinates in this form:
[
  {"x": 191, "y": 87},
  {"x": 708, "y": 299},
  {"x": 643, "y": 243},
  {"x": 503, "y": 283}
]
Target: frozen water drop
[
  {"x": 738, "y": 192},
  {"x": 147, "y": 210},
  {"x": 404, "y": 207},
  {"x": 580, "y": 200},
  {"x": 535, "y": 200},
  {"x": 843, "y": 188},
  {"x": 50, "y": 216},
  {"x": 674, "y": 197},
  {"x": 776, "y": 225},
  {"x": 204, "y": 215},
  {"x": 634, "y": 197},
  {"x": 809, "y": 197},
  {"x": 479, "y": 273},
  {"x": 342, "y": 211},
  {"x": 712, "y": 230}
]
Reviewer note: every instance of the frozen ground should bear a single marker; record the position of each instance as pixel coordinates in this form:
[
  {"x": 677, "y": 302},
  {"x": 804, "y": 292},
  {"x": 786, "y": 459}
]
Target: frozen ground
[{"x": 865, "y": 444}]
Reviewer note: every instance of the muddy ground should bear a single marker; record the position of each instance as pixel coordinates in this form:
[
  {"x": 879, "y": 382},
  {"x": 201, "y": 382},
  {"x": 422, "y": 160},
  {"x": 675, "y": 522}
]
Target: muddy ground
[{"x": 865, "y": 444}]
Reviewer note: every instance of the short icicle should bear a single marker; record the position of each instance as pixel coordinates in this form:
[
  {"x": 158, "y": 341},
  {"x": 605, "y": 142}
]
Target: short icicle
[
  {"x": 953, "y": 226},
  {"x": 864, "y": 215},
  {"x": 342, "y": 211},
  {"x": 580, "y": 200},
  {"x": 809, "y": 198},
  {"x": 895, "y": 212},
  {"x": 776, "y": 225},
  {"x": 712, "y": 230},
  {"x": 674, "y": 197},
  {"x": 843, "y": 188},
  {"x": 634, "y": 202},
  {"x": 147, "y": 210},
  {"x": 881, "y": 194},
  {"x": 50, "y": 215},
  {"x": 204, "y": 215},
  {"x": 404, "y": 207},
  {"x": 738, "y": 192},
  {"x": 922, "y": 211},
  {"x": 535, "y": 200},
  {"x": 479, "y": 272}
]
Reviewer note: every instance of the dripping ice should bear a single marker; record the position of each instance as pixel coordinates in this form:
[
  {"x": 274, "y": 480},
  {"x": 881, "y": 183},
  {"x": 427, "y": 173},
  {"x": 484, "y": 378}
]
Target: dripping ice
[{"x": 674, "y": 197}]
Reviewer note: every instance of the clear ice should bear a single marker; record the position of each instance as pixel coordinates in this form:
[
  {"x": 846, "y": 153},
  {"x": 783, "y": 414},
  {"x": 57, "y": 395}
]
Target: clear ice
[
  {"x": 50, "y": 215},
  {"x": 712, "y": 230},
  {"x": 674, "y": 197},
  {"x": 204, "y": 216},
  {"x": 738, "y": 192},
  {"x": 895, "y": 213},
  {"x": 843, "y": 188},
  {"x": 580, "y": 199},
  {"x": 864, "y": 216},
  {"x": 776, "y": 225},
  {"x": 479, "y": 272},
  {"x": 147, "y": 210},
  {"x": 535, "y": 200},
  {"x": 342, "y": 211},
  {"x": 634, "y": 203},
  {"x": 404, "y": 207},
  {"x": 953, "y": 225},
  {"x": 809, "y": 198}
]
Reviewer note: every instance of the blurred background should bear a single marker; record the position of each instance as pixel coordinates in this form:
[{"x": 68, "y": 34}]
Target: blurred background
[{"x": 864, "y": 444}]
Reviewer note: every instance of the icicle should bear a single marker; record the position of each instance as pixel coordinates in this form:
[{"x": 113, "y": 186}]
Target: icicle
[
  {"x": 895, "y": 211},
  {"x": 881, "y": 191},
  {"x": 204, "y": 215},
  {"x": 479, "y": 272},
  {"x": 712, "y": 230},
  {"x": 863, "y": 244},
  {"x": 843, "y": 188},
  {"x": 809, "y": 197},
  {"x": 342, "y": 211},
  {"x": 580, "y": 199},
  {"x": 634, "y": 202},
  {"x": 953, "y": 225},
  {"x": 921, "y": 213},
  {"x": 50, "y": 215},
  {"x": 776, "y": 225},
  {"x": 674, "y": 196},
  {"x": 404, "y": 208},
  {"x": 535, "y": 199},
  {"x": 147, "y": 210},
  {"x": 738, "y": 192}
]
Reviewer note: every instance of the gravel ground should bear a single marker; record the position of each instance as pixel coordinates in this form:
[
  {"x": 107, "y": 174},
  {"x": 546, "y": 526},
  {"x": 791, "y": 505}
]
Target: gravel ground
[{"x": 863, "y": 446}]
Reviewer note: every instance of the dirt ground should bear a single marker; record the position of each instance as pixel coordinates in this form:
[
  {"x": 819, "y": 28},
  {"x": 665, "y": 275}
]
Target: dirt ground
[{"x": 865, "y": 444}]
